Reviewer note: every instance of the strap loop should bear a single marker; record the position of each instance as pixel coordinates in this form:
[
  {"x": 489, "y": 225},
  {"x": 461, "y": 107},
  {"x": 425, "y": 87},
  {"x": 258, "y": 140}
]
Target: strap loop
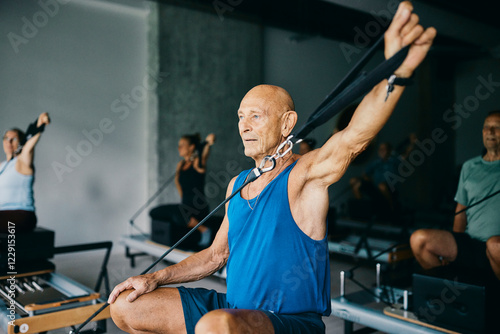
[
  {"x": 272, "y": 158},
  {"x": 288, "y": 142},
  {"x": 264, "y": 161}
]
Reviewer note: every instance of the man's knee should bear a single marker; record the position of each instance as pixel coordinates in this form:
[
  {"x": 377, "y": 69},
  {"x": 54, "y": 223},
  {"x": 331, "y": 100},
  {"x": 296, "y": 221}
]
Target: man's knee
[
  {"x": 493, "y": 248},
  {"x": 217, "y": 321},
  {"x": 418, "y": 240},
  {"x": 121, "y": 311},
  {"x": 234, "y": 321}
]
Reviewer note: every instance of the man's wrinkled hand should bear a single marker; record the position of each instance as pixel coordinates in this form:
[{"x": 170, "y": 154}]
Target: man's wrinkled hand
[
  {"x": 406, "y": 30},
  {"x": 140, "y": 284}
]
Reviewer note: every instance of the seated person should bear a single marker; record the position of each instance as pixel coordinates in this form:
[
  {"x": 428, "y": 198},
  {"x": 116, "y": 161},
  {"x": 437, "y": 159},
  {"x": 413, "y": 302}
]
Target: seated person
[
  {"x": 17, "y": 204},
  {"x": 190, "y": 182},
  {"x": 475, "y": 239},
  {"x": 373, "y": 184}
]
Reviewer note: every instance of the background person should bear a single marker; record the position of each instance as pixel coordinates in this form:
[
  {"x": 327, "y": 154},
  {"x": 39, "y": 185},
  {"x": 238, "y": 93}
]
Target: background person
[
  {"x": 190, "y": 181},
  {"x": 475, "y": 239},
  {"x": 17, "y": 176},
  {"x": 373, "y": 183}
]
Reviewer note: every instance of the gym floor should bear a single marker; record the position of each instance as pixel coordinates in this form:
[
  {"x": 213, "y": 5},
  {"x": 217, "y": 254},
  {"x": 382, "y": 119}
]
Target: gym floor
[{"x": 84, "y": 268}]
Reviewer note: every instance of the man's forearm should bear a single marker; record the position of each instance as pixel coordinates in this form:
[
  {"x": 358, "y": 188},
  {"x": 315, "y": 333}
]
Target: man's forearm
[
  {"x": 373, "y": 113},
  {"x": 459, "y": 225},
  {"x": 460, "y": 221},
  {"x": 193, "y": 268}
]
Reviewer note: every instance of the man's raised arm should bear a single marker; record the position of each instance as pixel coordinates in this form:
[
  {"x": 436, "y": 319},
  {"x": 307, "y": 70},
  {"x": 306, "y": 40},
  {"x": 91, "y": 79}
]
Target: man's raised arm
[{"x": 331, "y": 160}]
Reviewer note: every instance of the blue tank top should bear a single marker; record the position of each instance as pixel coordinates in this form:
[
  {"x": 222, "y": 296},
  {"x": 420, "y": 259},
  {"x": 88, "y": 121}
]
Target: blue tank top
[
  {"x": 272, "y": 264},
  {"x": 16, "y": 189}
]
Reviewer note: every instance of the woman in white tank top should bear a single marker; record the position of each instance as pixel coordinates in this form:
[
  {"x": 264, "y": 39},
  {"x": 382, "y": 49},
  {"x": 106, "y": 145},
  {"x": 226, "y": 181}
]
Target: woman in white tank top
[{"x": 17, "y": 208}]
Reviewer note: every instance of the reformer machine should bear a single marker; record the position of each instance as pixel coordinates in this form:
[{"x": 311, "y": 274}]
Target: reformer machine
[
  {"x": 444, "y": 300},
  {"x": 33, "y": 297}
]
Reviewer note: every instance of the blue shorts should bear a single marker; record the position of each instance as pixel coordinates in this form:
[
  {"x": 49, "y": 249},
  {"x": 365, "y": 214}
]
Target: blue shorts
[{"x": 198, "y": 301}]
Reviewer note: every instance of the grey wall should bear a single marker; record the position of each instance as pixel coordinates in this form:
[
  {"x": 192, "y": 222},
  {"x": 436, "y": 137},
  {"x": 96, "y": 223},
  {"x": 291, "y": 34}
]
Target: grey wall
[
  {"x": 79, "y": 63},
  {"x": 210, "y": 64}
]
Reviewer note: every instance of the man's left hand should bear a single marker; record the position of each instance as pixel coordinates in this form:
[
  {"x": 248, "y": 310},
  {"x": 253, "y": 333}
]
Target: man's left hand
[{"x": 405, "y": 30}]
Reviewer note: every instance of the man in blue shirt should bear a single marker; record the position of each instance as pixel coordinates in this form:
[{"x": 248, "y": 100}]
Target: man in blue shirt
[{"x": 300, "y": 183}]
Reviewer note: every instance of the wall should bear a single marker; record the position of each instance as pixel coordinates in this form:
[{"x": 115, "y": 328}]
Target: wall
[
  {"x": 84, "y": 62},
  {"x": 209, "y": 63}
]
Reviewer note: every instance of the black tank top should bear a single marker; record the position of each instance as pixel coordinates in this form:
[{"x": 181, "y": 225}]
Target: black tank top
[{"x": 193, "y": 191}]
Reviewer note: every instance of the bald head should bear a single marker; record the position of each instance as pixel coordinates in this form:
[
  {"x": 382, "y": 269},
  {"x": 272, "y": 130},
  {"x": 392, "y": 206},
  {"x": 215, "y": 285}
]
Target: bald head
[
  {"x": 277, "y": 98},
  {"x": 266, "y": 117}
]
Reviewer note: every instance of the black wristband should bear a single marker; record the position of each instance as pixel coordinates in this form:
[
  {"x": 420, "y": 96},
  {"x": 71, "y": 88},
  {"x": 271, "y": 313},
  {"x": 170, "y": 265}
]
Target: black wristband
[
  {"x": 400, "y": 81},
  {"x": 33, "y": 129},
  {"x": 394, "y": 80}
]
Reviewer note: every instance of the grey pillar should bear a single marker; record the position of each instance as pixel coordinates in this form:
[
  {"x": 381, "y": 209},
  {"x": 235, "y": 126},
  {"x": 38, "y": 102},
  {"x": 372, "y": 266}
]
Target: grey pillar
[{"x": 208, "y": 64}]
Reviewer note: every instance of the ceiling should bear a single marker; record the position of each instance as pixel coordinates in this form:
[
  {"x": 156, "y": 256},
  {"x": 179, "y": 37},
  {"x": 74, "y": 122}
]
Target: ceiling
[
  {"x": 479, "y": 10},
  {"x": 466, "y": 29}
]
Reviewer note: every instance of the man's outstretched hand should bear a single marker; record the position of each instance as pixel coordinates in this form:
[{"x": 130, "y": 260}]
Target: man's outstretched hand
[{"x": 405, "y": 30}]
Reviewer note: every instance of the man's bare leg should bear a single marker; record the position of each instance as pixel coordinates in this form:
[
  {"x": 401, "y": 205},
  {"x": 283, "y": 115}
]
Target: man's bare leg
[
  {"x": 234, "y": 321},
  {"x": 493, "y": 253},
  {"x": 433, "y": 248},
  {"x": 159, "y": 311}
]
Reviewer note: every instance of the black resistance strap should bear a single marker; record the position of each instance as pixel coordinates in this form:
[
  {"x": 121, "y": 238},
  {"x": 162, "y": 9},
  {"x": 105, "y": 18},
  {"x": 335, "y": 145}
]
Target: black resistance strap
[
  {"x": 344, "y": 94},
  {"x": 480, "y": 201},
  {"x": 33, "y": 129}
]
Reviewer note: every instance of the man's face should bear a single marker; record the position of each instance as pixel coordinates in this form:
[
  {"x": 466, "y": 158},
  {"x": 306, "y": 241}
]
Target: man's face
[
  {"x": 10, "y": 142},
  {"x": 491, "y": 132},
  {"x": 259, "y": 124}
]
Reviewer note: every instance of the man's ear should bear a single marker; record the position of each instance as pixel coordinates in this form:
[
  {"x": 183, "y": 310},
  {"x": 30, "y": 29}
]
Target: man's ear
[{"x": 289, "y": 119}]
